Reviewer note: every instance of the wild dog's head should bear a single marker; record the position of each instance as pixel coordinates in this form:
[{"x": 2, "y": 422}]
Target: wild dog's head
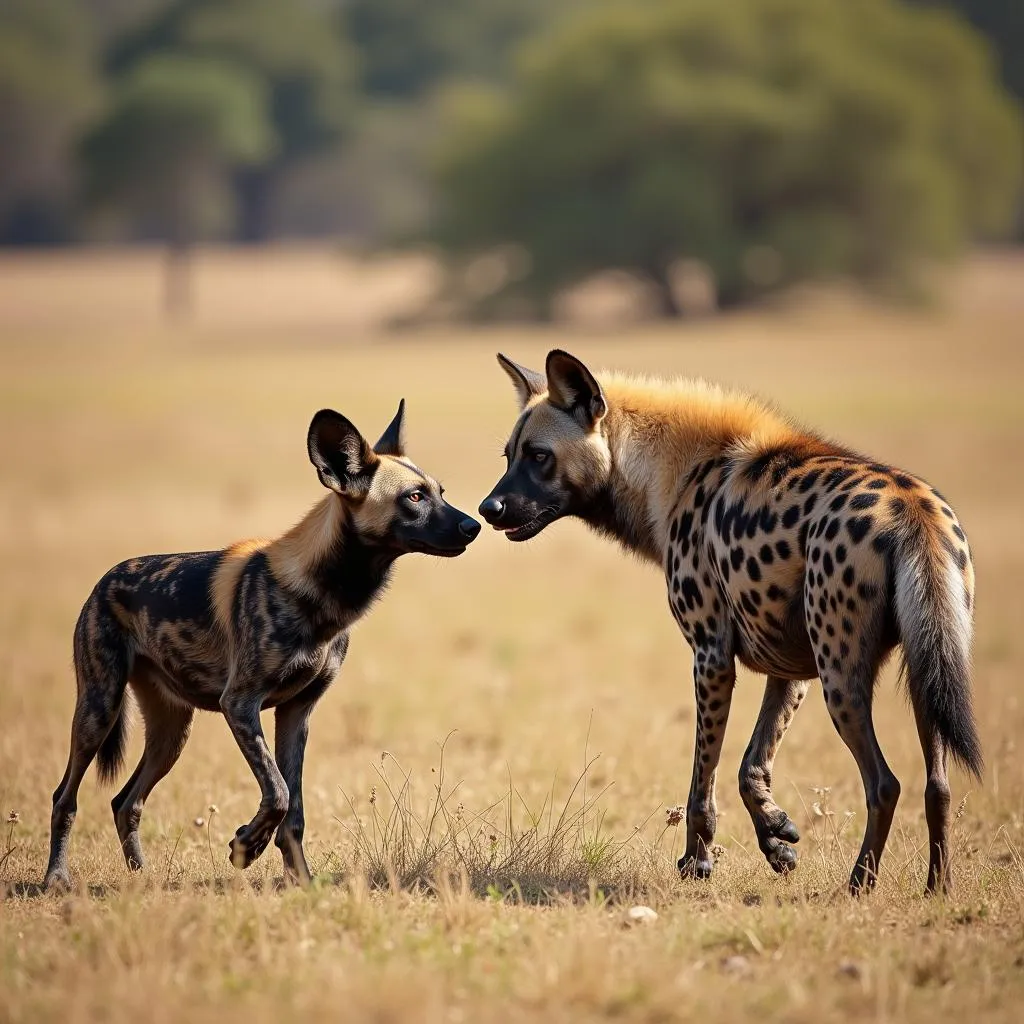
[
  {"x": 391, "y": 502},
  {"x": 558, "y": 458}
]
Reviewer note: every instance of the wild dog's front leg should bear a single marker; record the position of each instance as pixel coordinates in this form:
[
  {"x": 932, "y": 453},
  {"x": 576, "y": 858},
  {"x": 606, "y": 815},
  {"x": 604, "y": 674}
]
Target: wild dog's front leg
[
  {"x": 241, "y": 707},
  {"x": 290, "y": 733},
  {"x": 714, "y": 674},
  {"x": 774, "y": 828}
]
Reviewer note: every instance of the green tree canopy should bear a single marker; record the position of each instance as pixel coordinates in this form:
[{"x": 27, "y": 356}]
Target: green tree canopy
[
  {"x": 774, "y": 140},
  {"x": 306, "y": 69},
  {"x": 177, "y": 128},
  {"x": 48, "y": 89},
  {"x": 408, "y": 46}
]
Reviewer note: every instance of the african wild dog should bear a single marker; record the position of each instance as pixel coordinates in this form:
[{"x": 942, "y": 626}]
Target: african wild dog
[
  {"x": 261, "y": 624},
  {"x": 794, "y": 555}
]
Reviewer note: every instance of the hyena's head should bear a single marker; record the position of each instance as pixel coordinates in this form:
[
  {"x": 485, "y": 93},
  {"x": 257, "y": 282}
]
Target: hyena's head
[
  {"x": 558, "y": 458},
  {"x": 391, "y": 503}
]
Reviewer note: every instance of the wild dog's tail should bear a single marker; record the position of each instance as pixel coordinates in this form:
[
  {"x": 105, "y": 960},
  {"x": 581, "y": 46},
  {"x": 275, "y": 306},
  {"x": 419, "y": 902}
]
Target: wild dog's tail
[
  {"x": 934, "y": 618},
  {"x": 110, "y": 757},
  {"x": 101, "y": 669}
]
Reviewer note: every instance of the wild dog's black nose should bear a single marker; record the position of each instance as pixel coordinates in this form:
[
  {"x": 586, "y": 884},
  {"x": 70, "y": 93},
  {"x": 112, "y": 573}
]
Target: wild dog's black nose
[
  {"x": 469, "y": 528},
  {"x": 492, "y": 509}
]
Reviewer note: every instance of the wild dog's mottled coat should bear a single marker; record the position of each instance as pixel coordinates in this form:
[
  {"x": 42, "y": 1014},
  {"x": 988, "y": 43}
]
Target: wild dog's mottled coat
[
  {"x": 795, "y": 555},
  {"x": 258, "y": 625}
]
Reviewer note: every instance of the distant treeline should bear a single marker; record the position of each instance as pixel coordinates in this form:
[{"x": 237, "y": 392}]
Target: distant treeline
[{"x": 768, "y": 140}]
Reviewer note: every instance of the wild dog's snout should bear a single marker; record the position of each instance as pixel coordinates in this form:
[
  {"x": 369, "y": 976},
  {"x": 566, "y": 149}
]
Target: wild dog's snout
[
  {"x": 492, "y": 509},
  {"x": 469, "y": 528}
]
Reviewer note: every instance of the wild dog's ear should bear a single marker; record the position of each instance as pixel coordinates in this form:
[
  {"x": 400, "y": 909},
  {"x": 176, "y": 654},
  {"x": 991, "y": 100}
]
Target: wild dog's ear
[
  {"x": 392, "y": 441},
  {"x": 573, "y": 388},
  {"x": 344, "y": 461},
  {"x": 528, "y": 383}
]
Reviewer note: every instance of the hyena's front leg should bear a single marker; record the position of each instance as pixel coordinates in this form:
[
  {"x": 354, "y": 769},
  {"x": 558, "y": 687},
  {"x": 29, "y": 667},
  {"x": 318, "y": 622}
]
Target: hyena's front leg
[
  {"x": 714, "y": 675},
  {"x": 774, "y": 828},
  {"x": 241, "y": 706}
]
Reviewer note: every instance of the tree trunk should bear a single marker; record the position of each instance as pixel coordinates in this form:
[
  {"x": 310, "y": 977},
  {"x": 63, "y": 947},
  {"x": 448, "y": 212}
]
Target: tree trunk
[
  {"x": 178, "y": 282},
  {"x": 666, "y": 302},
  {"x": 255, "y": 188}
]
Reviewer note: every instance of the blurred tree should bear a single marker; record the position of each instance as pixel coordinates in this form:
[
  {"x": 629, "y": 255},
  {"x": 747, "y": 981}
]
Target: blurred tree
[
  {"x": 408, "y": 46},
  {"x": 48, "y": 89},
  {"x": 773, "y": 140},
  {"x": 296, "y": 51},
  {"x": 177, "y": 128},
  {"x": 1003, "y": 22}
]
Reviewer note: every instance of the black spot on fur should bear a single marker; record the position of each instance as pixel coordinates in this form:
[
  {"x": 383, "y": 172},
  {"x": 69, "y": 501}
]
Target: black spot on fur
[
  {"x": 860, "y": 502},
  {"x": 790, "y": 516},
  {"x": 959, "y": 533},
  {"x": 827, "y": 565},
  {"x": 767, "y": 556},
  {"x": 837, "y": 502},
  {"x": 753, "y": 569},
  {"x": 809, "y": 480},
  {"x": 848, "y": 576},
  {"x": 858, "y": 527},
  {"x": 737, "y": 558},
  {"x": 876, "y": 485},
  {"x": 903, "y": 482},
  {"x": 782, "y": 549},
  {"x": 832, "y": 529}
]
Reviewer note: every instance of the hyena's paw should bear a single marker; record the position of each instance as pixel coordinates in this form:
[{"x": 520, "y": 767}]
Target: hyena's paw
[
  {"x": 696, "y": 865},
  {"x": 774, "y": 835},
  {"x": 248, "y": 845}
]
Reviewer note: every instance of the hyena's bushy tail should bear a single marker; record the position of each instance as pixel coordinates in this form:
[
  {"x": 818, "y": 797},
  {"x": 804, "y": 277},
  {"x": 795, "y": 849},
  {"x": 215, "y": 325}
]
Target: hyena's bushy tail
[{"x": 935, "y": 626}]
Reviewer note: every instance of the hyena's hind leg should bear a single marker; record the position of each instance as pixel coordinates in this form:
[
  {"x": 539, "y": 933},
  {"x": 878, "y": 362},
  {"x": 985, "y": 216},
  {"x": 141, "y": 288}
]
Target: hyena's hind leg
[
  {"x": 936, "y": 807},
  {"x": 774, "y": 828},
  {"x": 168, "y": 724},
  {"x": 102, "y": 662}
]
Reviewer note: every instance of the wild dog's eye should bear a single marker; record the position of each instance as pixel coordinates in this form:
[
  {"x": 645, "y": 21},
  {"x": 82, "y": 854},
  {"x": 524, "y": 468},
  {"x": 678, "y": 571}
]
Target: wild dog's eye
[
  {"x": 415, "y": 496},
  {"x": 540, "y": 455}
]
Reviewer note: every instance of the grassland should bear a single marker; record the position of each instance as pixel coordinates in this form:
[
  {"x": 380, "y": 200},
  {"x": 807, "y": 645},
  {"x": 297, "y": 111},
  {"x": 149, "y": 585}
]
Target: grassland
[{"x": 121, "y": 436}]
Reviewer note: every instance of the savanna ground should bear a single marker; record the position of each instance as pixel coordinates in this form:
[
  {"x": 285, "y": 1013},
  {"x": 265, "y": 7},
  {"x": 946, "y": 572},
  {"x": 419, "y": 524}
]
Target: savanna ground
[{"x": 122, "y": 436}]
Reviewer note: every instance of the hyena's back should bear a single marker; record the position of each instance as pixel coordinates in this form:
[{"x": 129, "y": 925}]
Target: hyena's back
[{"x": 824, "y": 561}]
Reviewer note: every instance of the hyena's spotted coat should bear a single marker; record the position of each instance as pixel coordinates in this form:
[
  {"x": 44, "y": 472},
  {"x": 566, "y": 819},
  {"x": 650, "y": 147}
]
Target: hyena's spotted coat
[{"x": 790, "y": 553}]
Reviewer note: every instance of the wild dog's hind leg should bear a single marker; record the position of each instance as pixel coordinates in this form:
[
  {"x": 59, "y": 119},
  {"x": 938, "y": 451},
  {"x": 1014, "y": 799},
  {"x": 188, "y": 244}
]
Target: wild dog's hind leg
[
  {"x": 714, "y": 674},
  {"x": 168, "y": 724},
  {"x": 102, "y": 661},
  {"x": 241, "y": 706},
  {"x": 774, "y": 828}
]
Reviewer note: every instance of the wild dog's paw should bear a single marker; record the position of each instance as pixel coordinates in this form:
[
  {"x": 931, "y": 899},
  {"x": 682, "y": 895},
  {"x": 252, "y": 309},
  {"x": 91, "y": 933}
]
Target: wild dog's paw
[
  {"x": 695, "y": 865},
  {"x": 245, "y": 850},
  {"x": 781, "y": 857},
  {"x": 58, "y": 882}
]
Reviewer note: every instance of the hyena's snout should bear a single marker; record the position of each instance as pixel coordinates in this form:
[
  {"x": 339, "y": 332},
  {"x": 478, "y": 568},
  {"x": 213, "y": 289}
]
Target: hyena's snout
[{"x": 492, "y": 509}]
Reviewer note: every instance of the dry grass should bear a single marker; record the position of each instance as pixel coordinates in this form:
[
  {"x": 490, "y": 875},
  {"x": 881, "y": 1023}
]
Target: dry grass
[{"x": 556, "y": 664}]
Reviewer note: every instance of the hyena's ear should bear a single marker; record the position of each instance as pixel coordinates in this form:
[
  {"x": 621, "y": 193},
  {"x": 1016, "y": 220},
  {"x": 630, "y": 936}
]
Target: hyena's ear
[
  {"x": 528, "y": 383},
  {"x": 344, "y": 461},
  {"x": 573, "y": 388},
  {"x": 392, "y": 441}
]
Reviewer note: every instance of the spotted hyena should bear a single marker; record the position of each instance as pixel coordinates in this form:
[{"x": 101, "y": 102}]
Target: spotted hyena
[
  {"x": 790, "y": 553},
  {"x": 258, "y": 625}
]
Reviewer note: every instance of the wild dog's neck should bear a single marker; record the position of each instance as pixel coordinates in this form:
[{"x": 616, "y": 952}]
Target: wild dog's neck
[
  {"x": 322, "y": 560},
  {"x": 656, "y": 434}
]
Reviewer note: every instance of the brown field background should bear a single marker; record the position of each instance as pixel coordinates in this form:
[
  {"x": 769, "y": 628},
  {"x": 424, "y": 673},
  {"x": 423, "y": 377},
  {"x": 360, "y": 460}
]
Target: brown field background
[{"x": 122, "y": 436}]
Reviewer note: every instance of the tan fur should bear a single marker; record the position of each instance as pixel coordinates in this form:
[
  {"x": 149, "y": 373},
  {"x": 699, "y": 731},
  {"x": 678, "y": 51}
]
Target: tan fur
[{"x": 225, "y": 579}]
